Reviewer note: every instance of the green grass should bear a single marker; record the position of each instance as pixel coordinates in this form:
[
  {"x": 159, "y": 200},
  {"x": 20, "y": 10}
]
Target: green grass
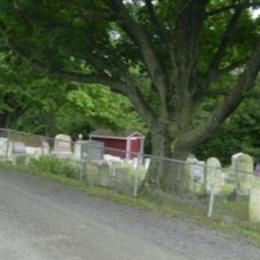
[{"x": 183, "y": 209}]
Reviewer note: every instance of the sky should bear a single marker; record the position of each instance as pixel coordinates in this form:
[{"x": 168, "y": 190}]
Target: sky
[{"x": 256, "y": 13}]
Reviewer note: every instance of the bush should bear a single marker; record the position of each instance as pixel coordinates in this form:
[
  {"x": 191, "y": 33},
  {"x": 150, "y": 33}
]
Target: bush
[{"x": 68, "y": 168}]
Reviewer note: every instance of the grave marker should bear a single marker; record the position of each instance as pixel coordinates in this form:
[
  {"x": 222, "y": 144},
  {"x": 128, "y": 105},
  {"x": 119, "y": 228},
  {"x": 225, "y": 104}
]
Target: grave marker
[
  {"x": 62, "y": 146},
  {"x": 92, "y": 150},
  {"x": 213, "y": 175},
  {"x": 243, "y": 167}
]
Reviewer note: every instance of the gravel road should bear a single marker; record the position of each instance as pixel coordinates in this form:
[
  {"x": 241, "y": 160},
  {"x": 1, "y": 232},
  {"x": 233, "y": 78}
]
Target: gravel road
[{"x": 42, "y": 220}]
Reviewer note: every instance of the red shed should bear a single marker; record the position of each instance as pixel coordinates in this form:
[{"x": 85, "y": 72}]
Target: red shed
[{"x": 126, "y": 145}]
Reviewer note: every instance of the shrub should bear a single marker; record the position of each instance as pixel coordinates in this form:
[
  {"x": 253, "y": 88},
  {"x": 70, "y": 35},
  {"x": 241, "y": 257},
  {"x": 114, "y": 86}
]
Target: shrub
[{"x": 68, "y": 168}]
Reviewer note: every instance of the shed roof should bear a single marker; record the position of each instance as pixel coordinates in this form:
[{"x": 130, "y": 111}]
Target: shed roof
[{"x": 110, "y": 133}]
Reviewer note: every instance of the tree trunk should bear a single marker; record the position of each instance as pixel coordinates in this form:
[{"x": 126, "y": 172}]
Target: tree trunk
[{"x": 166, "y": 171}]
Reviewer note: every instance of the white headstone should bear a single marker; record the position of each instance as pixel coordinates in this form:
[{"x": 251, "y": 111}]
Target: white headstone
[
  {"x": 254, "y": 205},
  {"x": 113, "y": 159},
  {"x": 62, "y": 146},
  {"x": 45, "y": 148},
  {"x": 195, "y": 167},
  {"x": 34, "y": 151},
  {"x": 243, "y": 163},
  {"x": 62, "y": 143},
  {"x": 195, "y": 173},
  {"x": 3, "y": 146},
  {"x": 243, "y": 167},
  {"x": 213, "y": 175},
  {"x": 18, "y": 148},
  {"x": 77, "y": 149}
]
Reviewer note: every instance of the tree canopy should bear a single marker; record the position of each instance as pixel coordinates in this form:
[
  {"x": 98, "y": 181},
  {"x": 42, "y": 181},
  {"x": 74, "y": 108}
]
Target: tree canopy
[
  {"x": 37, "y": 104},
  {"x": 168, "y": 57}
]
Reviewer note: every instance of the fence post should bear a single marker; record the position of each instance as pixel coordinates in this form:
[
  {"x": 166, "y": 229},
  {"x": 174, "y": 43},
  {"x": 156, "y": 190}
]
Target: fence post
[
  {"x": 136, "y": 177},
  {"x": 81, "y": 162},
  {"x": 7, "y": 147},
  {"x": 205, "y": 179},
  {"x": 212, "y": 195},
  {"x": 160, "y": 171}
]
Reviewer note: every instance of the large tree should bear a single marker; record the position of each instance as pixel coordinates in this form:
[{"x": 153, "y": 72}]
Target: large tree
[{"x": 166, "y": 56}]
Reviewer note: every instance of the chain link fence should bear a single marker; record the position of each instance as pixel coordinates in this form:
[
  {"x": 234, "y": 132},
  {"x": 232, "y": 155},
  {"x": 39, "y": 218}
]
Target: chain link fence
[{"x": 201, "y": 188}]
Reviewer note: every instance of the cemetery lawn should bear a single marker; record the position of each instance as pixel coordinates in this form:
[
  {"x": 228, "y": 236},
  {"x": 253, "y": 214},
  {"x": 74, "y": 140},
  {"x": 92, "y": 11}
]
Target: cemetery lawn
[{"x": 178, "y": 209}]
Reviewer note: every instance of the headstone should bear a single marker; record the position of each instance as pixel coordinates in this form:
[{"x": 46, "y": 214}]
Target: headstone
[
  {"x": 103, "y": 173},
  {"x": 5, "y": 149},
  {"x": 34, "y": 151},
  {"x": 243, "y": 163},
  {"x": 194, "y": 170},
  {"x": 62, "y": 146},
  {"x": 19, "y": 155},
  {"x": 92, "y": 173},
  {"x": 62, "y": 143},
  {"x": 18, "y": 148},
  {"x": 3, "y": 146},
  {"x": 112, "y": 158},
  {"x": 213, "y": 175},
  {"x": 254, "y": 205},
  {"x": 92, "y": 150},
  {"x": 198, "y": 170},
  {"x": 243, "y": 167},
  {"x": 77, "y": 147},
  {"x": 45, "y": 148},
  {"x": 122, "y": 181}
]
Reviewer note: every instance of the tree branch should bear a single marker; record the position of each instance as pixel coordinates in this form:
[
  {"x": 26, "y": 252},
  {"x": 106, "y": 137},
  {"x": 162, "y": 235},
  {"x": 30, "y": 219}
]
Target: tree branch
[
  {"x": 127, "y": 88},
  {"x": 244, "y": 83},
  {"x": 226, "y": 70},
  {"x": 182, "y": 9},
  {"x": 218, "y": 56},
  {"x": 139, "y": 35},
  {"x": 246, "y": 4},
  {"x": 188, "y": 28},
  {"x": 150, "y": 9},
  {"x": 17, "y": 8},
  {"x": 138, "y": 101},
  {"x": 189, "y": 25},
  {"x": 165, "y": 35}
]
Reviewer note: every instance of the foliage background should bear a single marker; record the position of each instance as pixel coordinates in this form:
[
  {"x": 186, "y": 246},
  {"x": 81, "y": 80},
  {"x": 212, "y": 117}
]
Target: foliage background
[
  {"x": 45, "y": 106},
  {"x": 37, "y": 104}
]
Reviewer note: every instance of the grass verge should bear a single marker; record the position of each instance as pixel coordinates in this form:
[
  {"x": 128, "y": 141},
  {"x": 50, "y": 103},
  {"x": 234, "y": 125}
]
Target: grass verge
[{"x": 237, "y": 229}]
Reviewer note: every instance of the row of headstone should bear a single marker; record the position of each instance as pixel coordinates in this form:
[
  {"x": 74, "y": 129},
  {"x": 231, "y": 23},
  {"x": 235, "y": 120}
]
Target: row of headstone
[
  {"x": 63, "y": 148},
  {"x": 10, "y": 150},
  {"x": 210, "y": 174},
  {"x": 248, "y": 182},
  {"x": 204, "y": 176},
  {"x": 89, "y": 150},
  {"x": 245, "y": 179}
]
